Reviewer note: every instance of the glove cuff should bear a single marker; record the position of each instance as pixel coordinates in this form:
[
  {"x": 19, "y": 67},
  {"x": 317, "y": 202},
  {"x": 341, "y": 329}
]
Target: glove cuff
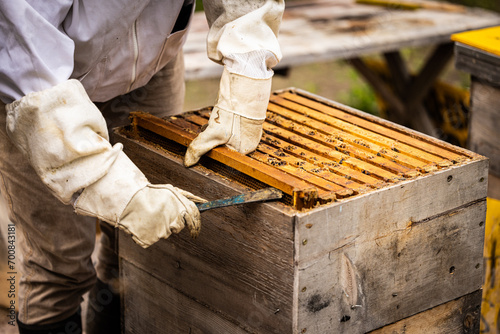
[
  {"x": 107, "y": 198},
  {"x": 255, "y": 64},
  {"x": 64, "y": 137},
  {"x": 244, "y": 96}
]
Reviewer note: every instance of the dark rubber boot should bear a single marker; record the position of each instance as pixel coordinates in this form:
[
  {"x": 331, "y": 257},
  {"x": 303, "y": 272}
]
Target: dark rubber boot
[
  {"x": 71, "y": 325},
  {"x": 103, "y": 312}
]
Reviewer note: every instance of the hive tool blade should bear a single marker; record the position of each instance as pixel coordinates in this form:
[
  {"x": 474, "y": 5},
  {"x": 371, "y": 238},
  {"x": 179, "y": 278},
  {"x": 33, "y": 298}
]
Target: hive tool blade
[{"x": 261, "y": 195}]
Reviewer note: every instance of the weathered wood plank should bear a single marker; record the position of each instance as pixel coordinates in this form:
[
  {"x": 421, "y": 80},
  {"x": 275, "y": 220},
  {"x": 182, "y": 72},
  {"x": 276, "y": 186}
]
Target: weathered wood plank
[
  {"x": 479, "y": 63},
  {"x": 379, "y": 281},
  {"x": 484, "y": 137},
  {"x": 457, "y": 316},
  {"x": 391, "y": 254},
  {"x": 408, "y": 201},
  {"x": 151, "y": 306},
  {"x": 484, "y": 127},
  {"x": 242, "y": 262},
  {"x": 315, "y": 31}
]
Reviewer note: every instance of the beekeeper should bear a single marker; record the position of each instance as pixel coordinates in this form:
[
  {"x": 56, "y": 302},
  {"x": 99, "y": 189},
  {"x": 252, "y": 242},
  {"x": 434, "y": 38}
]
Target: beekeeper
[{"x": 70, "y": 70}]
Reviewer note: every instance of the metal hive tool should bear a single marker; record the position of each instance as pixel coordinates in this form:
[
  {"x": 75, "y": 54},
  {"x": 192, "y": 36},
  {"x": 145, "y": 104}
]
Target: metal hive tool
[{"x": 312, "y": 149}]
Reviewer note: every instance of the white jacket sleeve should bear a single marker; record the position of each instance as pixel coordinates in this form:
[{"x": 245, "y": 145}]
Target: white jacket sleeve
[
  {"x": 64, "y": 137},
  {"x": 27, "y": 57},
  {"x": 244, "y": 35}
]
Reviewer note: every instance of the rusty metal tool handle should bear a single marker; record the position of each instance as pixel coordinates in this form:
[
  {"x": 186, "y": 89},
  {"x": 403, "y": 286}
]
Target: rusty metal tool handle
[{"x": 254, "y": 196}]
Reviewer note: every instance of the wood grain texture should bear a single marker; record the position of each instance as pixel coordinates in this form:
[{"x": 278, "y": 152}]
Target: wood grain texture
[
  {"x": 349, "y": 266},
  {"x": 241, "y": 265},
  {"x": 457, "y": 316},
  {"x": 391, "y": 208},
  {"x": 318, "y": 31},
  {"x": 151, "y": 306},
  {"x": 484, "y": 128},
  {"x": 409, "y": 247},
  {"x": 479, "y": 63}
]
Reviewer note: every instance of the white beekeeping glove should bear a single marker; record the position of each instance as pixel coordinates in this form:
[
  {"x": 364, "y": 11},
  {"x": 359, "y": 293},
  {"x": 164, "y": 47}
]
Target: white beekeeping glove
[
  {"x": 236, "y": 119},
  {"x": 242, "y": 37},
  {"x": 64, "y": 137},
  {"x": 125, "y": 199}
]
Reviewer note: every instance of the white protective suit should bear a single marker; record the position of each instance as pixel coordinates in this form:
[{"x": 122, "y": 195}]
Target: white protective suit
[{"x": 58, "y": 57}]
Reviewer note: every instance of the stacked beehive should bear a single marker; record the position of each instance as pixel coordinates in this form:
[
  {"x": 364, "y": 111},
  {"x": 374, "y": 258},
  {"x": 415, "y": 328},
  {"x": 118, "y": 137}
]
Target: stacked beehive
[{"x": 380, "y": 225}]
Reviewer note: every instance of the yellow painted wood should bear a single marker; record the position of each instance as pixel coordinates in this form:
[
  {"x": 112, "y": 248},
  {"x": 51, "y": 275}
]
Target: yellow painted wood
[
  {"x": 487, "y": 39},
  {"x": 490, "y": 308}
]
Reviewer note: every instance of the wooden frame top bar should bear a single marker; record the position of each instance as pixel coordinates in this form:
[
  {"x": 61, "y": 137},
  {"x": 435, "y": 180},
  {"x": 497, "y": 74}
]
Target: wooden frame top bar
[{"x": 318, "y": 152}]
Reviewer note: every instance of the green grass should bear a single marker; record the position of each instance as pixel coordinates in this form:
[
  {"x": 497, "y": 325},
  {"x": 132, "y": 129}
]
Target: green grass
[
  {"x": 199, "y": 5},
  {"x": 361, "y": 96}
]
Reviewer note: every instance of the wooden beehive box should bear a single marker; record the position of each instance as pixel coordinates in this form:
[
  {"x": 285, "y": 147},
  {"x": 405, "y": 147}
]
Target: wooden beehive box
[
  {"x": 381, "y": 229},
  {"x": 478, "y": 52}
]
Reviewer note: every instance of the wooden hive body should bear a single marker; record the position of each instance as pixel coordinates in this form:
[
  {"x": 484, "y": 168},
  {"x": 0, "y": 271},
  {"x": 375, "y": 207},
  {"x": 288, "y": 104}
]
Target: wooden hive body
[
  {"x": 478, "y": 52},
  {"x": 398, "y": 244}
]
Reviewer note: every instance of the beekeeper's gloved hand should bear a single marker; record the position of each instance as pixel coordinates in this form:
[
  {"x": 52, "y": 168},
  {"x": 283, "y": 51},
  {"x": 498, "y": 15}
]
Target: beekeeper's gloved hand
[
  {"x": 243, "y": 38},
  {"x": 125, "y": 199},
  {"x": 237, "y": 117},
  {"x": 64, "y": 137}
]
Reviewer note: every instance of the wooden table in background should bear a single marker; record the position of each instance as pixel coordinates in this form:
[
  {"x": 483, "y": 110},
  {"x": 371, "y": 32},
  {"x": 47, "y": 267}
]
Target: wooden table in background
[{"x": 324, "y": 30}]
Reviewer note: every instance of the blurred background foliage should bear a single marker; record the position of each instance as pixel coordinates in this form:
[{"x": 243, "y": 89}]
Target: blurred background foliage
[{"x": 199, "y": 5}]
